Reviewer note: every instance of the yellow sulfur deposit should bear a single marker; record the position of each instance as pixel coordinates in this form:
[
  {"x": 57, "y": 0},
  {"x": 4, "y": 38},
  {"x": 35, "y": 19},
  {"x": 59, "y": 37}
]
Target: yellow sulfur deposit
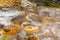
[
  {"x": 4, "y": 3},
  {"x": 30, "y": 29}
]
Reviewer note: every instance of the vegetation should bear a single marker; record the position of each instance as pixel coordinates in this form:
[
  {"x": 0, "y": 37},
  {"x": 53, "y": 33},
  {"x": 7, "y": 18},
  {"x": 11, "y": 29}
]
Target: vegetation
[
  {"x": 54, "y": 4},
  {"x": 45, "y": 2},
  {"x": 48, "y": 3}
]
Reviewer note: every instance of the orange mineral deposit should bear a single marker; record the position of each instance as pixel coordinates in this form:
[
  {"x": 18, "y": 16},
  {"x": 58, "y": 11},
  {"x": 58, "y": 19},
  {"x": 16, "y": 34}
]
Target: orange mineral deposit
[{"x": 12, "y": 29}]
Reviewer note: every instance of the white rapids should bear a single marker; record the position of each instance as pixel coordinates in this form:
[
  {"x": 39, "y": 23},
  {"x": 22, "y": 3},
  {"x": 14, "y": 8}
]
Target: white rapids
[{"x": 6, "y": 16}]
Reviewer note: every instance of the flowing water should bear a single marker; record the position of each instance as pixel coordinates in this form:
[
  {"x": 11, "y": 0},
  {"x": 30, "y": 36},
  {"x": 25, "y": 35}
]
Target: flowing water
[{"x": 6, "y": 16}]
